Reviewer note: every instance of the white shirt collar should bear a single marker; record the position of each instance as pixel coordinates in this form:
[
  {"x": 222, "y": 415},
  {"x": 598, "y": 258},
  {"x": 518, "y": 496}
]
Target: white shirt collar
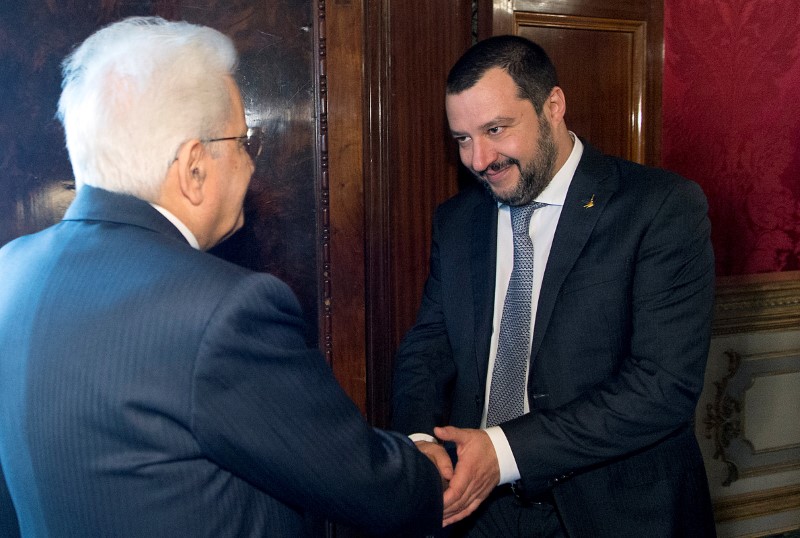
[{"x": 185, "y": 231}]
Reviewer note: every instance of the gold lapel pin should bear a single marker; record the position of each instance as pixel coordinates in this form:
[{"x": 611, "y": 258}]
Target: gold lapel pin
[{"x": 590, "y": 203}]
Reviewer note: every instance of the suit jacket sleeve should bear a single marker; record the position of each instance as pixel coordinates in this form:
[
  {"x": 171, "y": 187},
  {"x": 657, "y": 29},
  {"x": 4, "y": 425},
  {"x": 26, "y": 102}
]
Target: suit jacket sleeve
[
  {"x": 424, "y": 366},
  {"x": 652, "y": 388},
  {"x": 269, "y": 409}
]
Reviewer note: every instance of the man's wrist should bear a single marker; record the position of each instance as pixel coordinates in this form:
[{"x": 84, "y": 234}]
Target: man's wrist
[{"x": 509, "y": 472}]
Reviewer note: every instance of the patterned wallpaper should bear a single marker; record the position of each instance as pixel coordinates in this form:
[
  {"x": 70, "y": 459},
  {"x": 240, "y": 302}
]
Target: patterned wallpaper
[{"x": 731, "y": 122}]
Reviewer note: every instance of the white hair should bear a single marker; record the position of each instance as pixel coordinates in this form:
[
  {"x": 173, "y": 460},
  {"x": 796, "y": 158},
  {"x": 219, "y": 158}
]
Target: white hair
[{"x": 134, "y": 92}]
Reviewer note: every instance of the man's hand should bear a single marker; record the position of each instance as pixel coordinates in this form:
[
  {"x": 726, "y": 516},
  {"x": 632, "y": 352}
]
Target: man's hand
[
  {"x": 437, "y": 454},
  {"x": 476, "y": 474}
]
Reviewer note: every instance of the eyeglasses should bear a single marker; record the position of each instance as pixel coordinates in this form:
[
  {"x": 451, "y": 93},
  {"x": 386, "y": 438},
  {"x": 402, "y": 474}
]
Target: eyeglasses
[{"x": 251, "y": 142}]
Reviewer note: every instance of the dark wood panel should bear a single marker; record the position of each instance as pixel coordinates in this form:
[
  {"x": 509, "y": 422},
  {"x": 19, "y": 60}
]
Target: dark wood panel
[
  {"x": 411, "y": 164},
  {"x": 423, "y": 156},
  {"x": 581, "y": 63},
  {"x": 607, "y": 111},
  {"x": 344, "y": 56},
  {"x": 633, "y": 9},
  {"x": 276, "y": 41},
  {"x": 494, "y": 17},
  {"x": 277, "y": 76}
]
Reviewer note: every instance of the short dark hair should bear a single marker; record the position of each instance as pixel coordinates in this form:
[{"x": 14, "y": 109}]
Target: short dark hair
[{"x": 526, "y": 62}]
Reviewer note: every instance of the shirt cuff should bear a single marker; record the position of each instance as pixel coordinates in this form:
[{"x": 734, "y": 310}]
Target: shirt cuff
[
  {"x": 422, "y": 437},
  {"x": 509, "y": 472}
]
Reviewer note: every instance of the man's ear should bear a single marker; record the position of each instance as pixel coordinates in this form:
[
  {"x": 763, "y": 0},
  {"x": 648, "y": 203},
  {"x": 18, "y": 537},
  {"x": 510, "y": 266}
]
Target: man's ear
[
  {"x": 191, "y": 170},
  {"x": 556, "y": 105}
]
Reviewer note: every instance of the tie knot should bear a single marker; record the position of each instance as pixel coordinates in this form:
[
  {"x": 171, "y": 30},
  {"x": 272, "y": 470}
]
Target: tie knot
[{"x": 521, "y": 216}]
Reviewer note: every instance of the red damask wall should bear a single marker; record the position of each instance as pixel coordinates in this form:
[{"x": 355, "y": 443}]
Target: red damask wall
[{"x": 731, "y": 122}]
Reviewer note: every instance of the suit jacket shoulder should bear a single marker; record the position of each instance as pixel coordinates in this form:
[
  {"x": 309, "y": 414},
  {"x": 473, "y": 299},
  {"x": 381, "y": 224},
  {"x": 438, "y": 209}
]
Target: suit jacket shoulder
[{"x": 178, "y": 385}]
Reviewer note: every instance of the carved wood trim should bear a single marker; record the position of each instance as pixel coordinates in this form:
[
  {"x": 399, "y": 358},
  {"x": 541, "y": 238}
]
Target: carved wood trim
[
  {"x": 764, "y": 302},
  {"x": 638, "y": 69},
  {"x": 735, "y": 444},
  {"x": 324, "y": 231},
  {"x": 761, "y": 503},
  {"x": 723, "y": 420}
]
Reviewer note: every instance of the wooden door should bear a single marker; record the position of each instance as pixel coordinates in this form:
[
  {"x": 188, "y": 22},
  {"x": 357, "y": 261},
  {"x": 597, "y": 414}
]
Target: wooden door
[{"x": 609, "y": 58}]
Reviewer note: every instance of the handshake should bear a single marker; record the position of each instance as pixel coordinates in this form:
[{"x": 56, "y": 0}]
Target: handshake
[{"x": 474, "y": 476}]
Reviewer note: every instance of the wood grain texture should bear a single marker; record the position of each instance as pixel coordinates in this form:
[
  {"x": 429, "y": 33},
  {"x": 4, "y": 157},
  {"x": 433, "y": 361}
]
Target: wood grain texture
[
  {"x": 608, "y": 111},
  {"x": 412, "y": 164},
  {"x": 276, "y": 41},
  {"x": 609, "y": 55},
  {"x": 344, "y": 23}
]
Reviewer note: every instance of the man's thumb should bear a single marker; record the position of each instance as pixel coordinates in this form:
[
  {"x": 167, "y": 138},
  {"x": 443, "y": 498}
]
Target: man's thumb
[{"x": 446, "y": 433}]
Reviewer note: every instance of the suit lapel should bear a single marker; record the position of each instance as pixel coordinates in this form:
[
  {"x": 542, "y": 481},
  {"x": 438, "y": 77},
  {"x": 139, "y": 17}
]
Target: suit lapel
[
  {"x": 590, "y": 190},
  {"x": 483, "y": 256}
]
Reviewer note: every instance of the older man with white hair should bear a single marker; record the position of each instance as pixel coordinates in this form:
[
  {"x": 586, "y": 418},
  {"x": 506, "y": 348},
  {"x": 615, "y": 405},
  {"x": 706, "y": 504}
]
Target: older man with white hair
[{"x": 148, "y": 388}]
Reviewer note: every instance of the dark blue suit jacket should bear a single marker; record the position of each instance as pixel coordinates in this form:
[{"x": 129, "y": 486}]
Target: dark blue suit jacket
[
  {"x": 618, "y": 354},
  {"x": 149, "y": 389}
]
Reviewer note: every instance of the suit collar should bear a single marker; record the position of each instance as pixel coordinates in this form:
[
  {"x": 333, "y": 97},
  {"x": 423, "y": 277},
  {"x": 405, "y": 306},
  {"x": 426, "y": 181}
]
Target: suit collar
[
  {"x": 92, "y": 203},
  {"x": 592, "y": 186}
]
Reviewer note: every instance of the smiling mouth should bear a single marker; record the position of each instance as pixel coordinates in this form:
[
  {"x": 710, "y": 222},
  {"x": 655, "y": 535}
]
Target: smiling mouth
[{"x": 497, "y": 169}]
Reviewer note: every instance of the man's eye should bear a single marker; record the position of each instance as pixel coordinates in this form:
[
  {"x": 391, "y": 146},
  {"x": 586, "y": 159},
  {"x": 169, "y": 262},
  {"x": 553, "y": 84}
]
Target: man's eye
[{"x": 495, "y": 130}]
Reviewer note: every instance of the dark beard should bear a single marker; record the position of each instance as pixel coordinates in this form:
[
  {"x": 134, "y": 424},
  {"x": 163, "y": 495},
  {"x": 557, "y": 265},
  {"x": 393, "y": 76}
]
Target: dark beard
[{"x": 535, "y": 177}]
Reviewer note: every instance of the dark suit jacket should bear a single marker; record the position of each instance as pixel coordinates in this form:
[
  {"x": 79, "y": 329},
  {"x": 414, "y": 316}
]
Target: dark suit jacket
[
  {"x": 149, "y": 389},
  {"x": 619, "y": 348}
]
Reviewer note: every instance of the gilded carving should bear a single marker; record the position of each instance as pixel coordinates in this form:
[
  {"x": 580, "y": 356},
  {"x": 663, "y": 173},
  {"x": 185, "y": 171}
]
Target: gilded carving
[{"x": 723, "y": 418}]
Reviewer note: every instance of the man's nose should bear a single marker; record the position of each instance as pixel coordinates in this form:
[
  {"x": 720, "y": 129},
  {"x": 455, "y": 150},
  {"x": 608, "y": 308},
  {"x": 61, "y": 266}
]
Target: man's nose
[{"x": 483, "y": 154}]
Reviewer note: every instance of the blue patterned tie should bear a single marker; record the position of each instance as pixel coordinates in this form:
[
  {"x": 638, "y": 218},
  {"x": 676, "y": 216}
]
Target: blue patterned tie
[{"x": 507, "y": 393}]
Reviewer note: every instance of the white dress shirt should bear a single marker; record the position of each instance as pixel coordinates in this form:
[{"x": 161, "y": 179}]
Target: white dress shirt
[{"x": 542, "y": 229}]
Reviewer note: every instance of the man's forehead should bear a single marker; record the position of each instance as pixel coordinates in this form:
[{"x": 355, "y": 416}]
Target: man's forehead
[{"x": 482, "y": 110}]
